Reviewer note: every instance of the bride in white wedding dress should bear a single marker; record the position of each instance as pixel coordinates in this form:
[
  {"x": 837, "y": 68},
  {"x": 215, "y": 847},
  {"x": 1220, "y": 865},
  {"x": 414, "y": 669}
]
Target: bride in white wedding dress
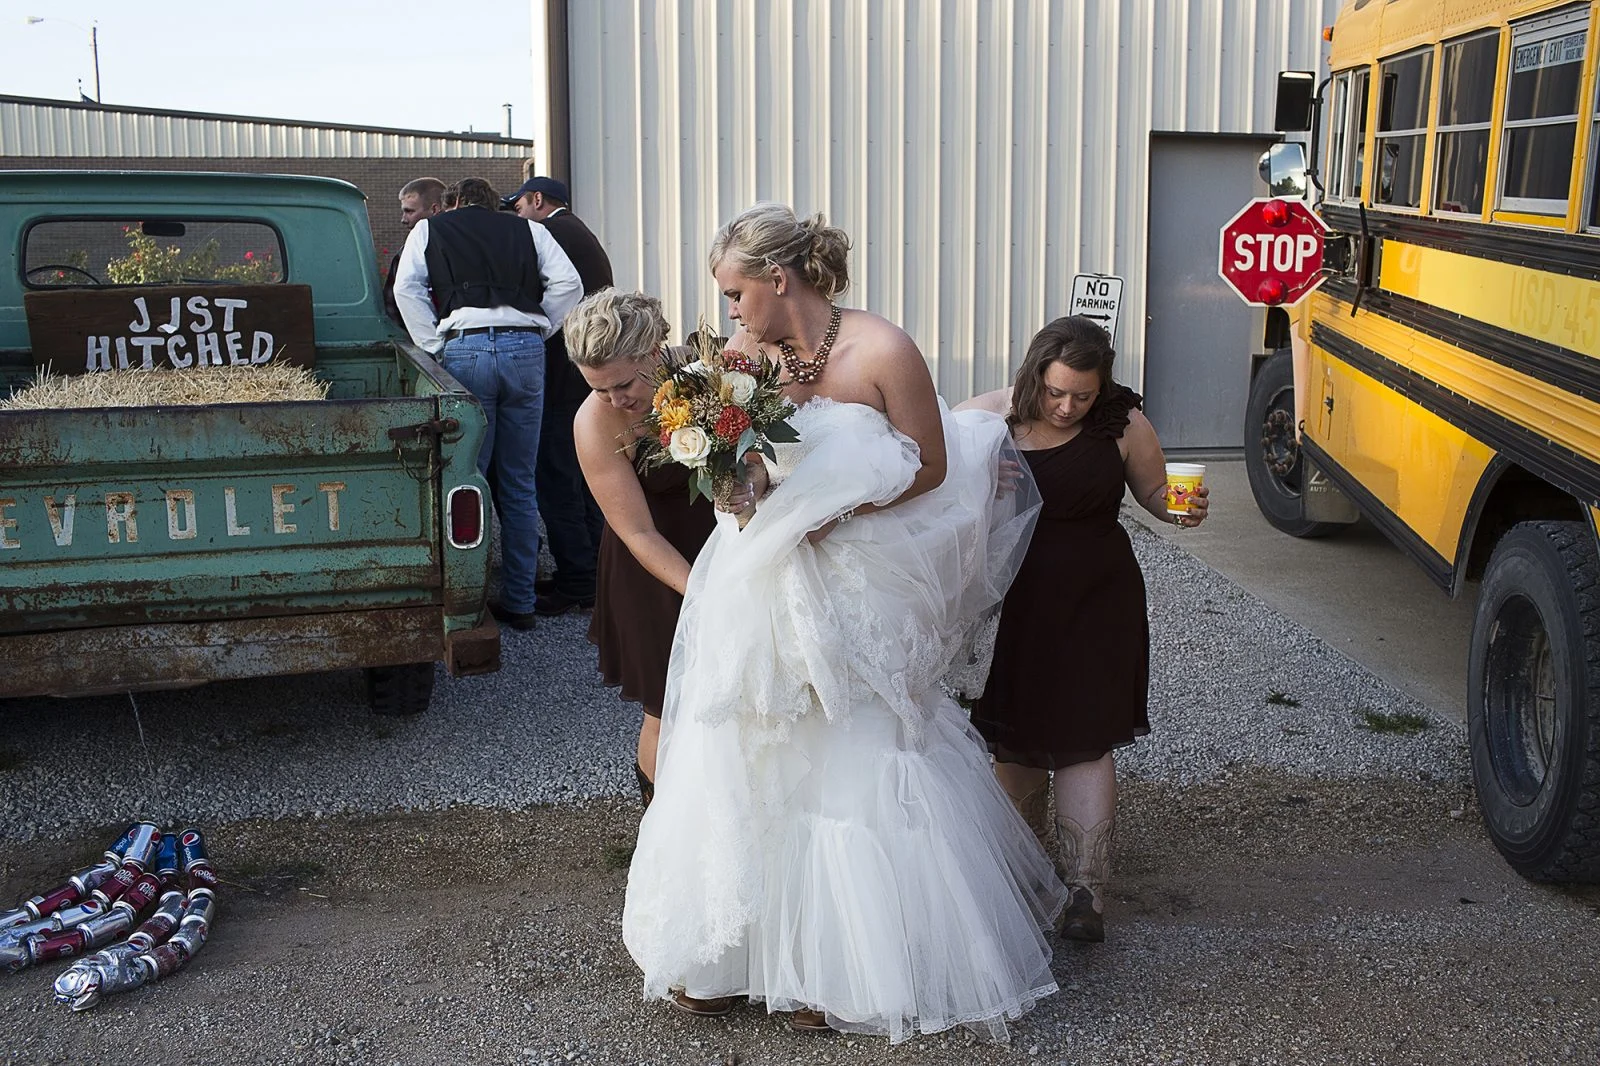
[{"x": 827, "y": 836}]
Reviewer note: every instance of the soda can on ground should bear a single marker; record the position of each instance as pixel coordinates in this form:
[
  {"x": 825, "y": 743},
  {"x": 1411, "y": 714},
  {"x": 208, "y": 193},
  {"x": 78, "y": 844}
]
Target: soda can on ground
[
  {"x": 14, "y": 956},
  {"x": 117, "y": 850},
  {"x": 115, "y": 969},
  {"x": 91, "y": 878},
  {"x": 167, "y": 857},
  {"x": 62, "y": 945},
  {"x": 113, "y": 925},
  {"x": 196, "y": 924},
  {"x": 52, "y": 901},
  {"x": 78, "y": 913},
  {"x": 165, "y": 960},
  {"x": 197, "y": 870},
  {"x": 146, "y": 839},
  {"x": 160, "y": 925},
  {"x": 138, "y": 898},
  {"x": 118, "y": 883}
]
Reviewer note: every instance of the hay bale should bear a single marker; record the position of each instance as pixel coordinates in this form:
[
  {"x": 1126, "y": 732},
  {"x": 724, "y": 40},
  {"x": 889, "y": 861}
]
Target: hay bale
[{"x": 164, "y": 387}]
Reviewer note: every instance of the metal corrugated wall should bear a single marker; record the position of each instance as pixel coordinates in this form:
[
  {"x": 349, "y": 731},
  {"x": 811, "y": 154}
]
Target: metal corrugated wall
[
  {"x": 979, "y": 152},
  {"x": 41, "y": 129}
]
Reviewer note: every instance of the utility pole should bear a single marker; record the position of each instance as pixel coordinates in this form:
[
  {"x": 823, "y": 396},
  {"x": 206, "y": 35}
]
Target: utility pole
[{"x": 94, "y": 46}]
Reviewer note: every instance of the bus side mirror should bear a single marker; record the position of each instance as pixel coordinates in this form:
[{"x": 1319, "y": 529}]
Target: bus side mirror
[
  {"x": 1283, "y": 168},
  {"x": 1296, "y": 88}
]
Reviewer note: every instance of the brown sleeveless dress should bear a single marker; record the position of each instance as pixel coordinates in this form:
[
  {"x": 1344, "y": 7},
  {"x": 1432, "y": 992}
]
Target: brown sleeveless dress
[
  {"x": 635, "y": 615},
  {"x": 1072, "y": 659}
]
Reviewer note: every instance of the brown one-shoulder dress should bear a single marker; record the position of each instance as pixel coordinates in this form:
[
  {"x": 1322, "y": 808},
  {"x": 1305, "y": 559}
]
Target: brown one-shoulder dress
[
  {"x": 635, "y": 615},
  {"x": 1071, "y": 666}
]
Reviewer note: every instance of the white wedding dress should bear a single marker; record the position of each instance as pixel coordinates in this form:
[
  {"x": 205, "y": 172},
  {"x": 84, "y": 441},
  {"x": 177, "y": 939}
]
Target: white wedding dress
[{"x": 827, "y": 831}]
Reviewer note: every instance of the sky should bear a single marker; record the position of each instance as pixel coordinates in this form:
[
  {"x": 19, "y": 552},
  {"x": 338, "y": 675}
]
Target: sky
[{"x": 405, "y": 63}]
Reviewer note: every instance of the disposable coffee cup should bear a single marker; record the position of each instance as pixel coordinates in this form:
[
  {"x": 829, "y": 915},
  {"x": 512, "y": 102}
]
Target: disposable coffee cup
[{"x": 1183, "y": 483}]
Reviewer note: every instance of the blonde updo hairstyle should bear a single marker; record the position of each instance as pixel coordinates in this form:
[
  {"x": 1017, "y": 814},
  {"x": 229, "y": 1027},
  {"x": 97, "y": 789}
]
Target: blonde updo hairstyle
[
  {"x": 769, "y": 234},
  {"x": 612, "y": 325}
]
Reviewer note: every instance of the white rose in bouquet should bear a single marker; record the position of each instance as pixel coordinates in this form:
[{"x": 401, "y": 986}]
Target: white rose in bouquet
[
  {"x": 689, "y": 446},
  {"x": 737, "y": 387}
]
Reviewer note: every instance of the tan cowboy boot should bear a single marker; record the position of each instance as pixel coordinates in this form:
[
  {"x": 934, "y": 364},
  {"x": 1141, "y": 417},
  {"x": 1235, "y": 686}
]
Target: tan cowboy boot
[
  {"x": 1085, "y": 867},
  {"x": 1035, "y": 810}
]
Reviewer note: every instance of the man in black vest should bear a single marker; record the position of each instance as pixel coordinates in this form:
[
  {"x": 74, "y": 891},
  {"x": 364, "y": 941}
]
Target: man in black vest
[
  {"x": 571, "y": 517},
  {"x": 500, "y": 285}
]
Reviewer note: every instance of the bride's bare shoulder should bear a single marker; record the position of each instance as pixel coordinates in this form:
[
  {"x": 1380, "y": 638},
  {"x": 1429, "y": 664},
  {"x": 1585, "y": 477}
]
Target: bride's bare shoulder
[
  {"x": 880, "y": 339},
  {"x": 741, "y": 342}
]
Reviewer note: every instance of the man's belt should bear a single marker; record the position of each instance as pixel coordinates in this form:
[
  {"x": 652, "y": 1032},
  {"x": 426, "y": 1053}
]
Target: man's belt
[{"x": 452, "y": 334}]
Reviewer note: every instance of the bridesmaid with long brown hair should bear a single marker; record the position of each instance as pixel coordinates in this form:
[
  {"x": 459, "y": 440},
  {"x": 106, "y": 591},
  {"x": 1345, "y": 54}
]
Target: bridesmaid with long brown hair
[{"x": 1072, "y": 658}]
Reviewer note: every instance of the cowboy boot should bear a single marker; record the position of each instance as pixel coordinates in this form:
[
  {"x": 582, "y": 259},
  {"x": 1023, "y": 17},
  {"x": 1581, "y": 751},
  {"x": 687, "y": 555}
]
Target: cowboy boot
[
  {"x": 1035, "y": 811},
  {"x": 1085, "y": 867}
]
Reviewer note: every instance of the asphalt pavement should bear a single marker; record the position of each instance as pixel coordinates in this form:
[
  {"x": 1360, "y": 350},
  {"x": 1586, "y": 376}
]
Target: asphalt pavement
[{"x": 1355, "y": 590}]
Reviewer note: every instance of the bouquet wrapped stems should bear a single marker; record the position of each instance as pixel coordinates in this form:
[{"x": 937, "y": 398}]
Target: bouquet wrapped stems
[{"x": 725, "y": 485}]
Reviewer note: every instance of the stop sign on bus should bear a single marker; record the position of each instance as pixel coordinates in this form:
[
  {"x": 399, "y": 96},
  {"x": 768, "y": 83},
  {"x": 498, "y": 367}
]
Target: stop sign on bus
[{"x": 1272, "y": 252}]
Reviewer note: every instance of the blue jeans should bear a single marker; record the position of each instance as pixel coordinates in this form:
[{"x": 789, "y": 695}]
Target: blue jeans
[{"x": 505, "y": 371}]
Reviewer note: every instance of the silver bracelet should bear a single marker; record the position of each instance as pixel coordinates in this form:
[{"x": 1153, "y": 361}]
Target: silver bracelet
[{"x": 846, "y": 516}]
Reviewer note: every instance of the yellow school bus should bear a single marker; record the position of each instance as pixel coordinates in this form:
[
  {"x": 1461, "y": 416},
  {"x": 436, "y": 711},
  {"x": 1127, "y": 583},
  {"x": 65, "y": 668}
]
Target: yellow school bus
[{"x": 1445, "y": 380}]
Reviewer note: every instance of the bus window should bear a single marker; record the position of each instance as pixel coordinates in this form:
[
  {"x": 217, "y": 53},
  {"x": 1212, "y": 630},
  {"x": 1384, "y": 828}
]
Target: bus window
[
  {"x": 1542, "y": 112},
  {"x": 1338, "y": 120},
  {"x": 1402, "y": 128},
  {"x": 1466, "y": 105},
  {"x": 1355, "y": 143}
]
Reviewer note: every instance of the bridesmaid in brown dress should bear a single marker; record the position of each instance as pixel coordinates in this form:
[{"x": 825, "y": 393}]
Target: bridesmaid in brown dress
[
  {"x": 1072, "y": 657},
  {"x": 652, "y": 532}
]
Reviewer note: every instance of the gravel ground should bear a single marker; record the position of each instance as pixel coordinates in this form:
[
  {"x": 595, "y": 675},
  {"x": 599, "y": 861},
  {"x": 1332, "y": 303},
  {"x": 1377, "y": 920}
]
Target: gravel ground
[
  {"x": 1293, "y": 885},
  {"x": 543, "y": 730}
]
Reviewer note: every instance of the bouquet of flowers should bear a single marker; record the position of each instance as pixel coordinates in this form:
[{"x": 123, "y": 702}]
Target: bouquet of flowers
[{"x": 712, "y": 407}]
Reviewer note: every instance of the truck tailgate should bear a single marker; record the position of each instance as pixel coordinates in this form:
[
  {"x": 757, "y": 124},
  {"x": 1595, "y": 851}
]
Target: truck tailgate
[{"x": 133, "y": 515}]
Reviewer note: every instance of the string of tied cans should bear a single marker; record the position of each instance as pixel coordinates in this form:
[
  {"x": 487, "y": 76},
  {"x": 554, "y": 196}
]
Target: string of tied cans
[{"x": 166, "y": 875}]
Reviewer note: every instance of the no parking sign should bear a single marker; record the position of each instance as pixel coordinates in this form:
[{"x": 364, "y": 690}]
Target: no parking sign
[{"x": 1097, "y": 297}]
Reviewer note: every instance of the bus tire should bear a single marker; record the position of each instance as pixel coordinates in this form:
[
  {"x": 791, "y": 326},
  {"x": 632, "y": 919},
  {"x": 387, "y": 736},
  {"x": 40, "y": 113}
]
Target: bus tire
[
  {"x": 400, "y": 691},
  {"x": 1533, "y": 700},
  {"x": 1272, "y": 452}
]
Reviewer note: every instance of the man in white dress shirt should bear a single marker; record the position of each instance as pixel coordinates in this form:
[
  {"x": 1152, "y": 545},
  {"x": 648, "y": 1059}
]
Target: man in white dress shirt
[{"x": 480, "y": 290}]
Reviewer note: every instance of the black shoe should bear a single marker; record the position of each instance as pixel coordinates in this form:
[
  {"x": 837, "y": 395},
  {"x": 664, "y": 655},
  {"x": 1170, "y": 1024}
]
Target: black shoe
[
  {"x": 514, "y": 619},
  {"x": 545, "y": 586},
  {"x": 553, "y": 603}
]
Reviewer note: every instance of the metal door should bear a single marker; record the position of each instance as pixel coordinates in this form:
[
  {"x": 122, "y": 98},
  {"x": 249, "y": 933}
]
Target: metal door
[{"x": 1198, "y": 335}]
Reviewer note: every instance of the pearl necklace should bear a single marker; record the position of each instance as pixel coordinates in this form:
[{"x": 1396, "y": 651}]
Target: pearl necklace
[{"x": 803, "y": 372}]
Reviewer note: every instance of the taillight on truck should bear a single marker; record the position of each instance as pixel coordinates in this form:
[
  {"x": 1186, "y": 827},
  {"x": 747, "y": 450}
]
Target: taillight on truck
[{"x": 465, "y": 508}]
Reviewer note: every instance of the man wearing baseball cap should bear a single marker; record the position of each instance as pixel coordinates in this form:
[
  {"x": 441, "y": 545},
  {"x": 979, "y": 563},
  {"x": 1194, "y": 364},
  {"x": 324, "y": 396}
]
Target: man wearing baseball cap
[{"x": 571, "y": 517}]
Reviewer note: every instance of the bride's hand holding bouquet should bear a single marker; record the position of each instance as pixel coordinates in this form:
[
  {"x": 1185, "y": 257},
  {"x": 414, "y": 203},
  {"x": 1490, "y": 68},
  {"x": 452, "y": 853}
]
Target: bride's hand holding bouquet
[{"x": 716, "y": 413}]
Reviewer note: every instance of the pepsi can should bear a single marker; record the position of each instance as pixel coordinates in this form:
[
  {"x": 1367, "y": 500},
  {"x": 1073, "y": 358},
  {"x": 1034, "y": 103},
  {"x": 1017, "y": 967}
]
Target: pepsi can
[
  {"x": 167, "y": 857},
  {"x": 116, "y": 851},
  {"x": 146, "y": 838}
]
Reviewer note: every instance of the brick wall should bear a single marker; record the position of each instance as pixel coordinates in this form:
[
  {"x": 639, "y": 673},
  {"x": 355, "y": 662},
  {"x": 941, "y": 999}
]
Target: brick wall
[{"x": 380, "y": 179}]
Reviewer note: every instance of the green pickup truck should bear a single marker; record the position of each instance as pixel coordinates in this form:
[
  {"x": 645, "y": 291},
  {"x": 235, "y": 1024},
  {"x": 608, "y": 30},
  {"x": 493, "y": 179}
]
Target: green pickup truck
[{"x": 165, "y": 546}]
